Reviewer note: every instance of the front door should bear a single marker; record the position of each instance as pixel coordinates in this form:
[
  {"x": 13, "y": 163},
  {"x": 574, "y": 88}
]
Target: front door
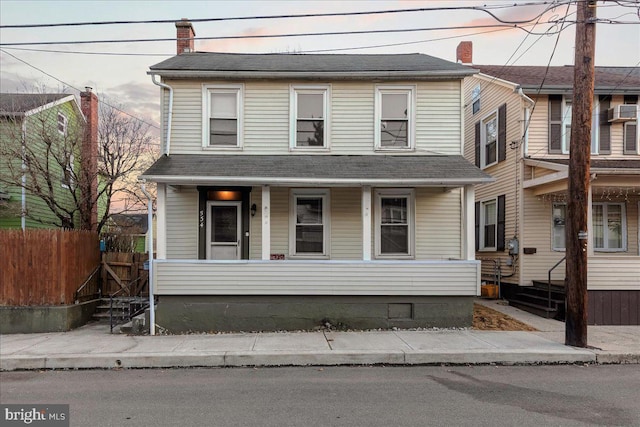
[{"x": 223, "y": 230}]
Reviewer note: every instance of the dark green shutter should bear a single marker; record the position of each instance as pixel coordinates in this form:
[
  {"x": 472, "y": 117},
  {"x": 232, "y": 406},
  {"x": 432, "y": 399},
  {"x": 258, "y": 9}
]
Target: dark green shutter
[
  {"x": 555, "y": 124},
  {"x": 477, "y": 144},
  {"x": 477, "y": 226},
  {"x": 605, "y": 126}
]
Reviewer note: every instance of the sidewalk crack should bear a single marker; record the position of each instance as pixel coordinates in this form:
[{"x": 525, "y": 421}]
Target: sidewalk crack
[{"x": 328, "y": 340}]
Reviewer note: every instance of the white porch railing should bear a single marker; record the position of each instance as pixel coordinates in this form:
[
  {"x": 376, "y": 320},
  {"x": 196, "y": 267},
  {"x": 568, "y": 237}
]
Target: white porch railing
[
  {"x": 613, "y": 272},
  {"x": 248, "y": 277}
]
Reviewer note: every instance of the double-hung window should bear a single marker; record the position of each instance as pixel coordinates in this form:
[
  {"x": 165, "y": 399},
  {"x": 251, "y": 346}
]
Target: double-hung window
[
  {"x": 394, "y": 219},
  {"x": 560, "y": 116},
  {"x": 310, "y": 117},
  {"x": 488, "y": 225},
  {"x": 395, "y": 117},
  {"x": 309, "y": 223},
  {"x": 609, "y": 227},
  {"x": 489, "y": 142},
  {"x": 222, "y": 124},
  {"x": 62, "y": 124},
  {"x": 68, "y": 180}
]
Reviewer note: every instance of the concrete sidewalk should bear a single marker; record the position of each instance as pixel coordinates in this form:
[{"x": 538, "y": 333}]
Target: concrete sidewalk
[{"x": 93, "y": 347}]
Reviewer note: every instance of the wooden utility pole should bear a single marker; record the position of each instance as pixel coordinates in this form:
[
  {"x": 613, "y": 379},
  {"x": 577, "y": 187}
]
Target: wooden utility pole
[{"x": 579, "y": 175}]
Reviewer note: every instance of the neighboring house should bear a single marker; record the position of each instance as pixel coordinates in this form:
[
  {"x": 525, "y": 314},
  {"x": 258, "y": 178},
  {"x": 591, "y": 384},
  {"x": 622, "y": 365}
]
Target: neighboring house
[
  {"x": 34, "y": 120},
  {"x": 517, "y": 129},
  {"x": 128, "y": 232},
  {"x": 297, "y": 190}
]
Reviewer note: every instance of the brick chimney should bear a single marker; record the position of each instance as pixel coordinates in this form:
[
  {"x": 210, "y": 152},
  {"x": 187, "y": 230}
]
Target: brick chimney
[
  {"x": 464, "y": 53},
  {"x": 89, "y": 161},
  {"x": 185, "y": 36}
]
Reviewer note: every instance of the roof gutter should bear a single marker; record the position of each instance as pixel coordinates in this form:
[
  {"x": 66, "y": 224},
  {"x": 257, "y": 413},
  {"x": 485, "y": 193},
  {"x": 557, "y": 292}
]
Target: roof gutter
[
  {"x": 229, "y": 180},
  {"x": 342, "y": 75},
  {"x": 166, "y": 86}
]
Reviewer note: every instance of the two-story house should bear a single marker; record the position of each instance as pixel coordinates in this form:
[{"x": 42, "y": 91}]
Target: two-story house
[
  {"x": 296, "y": 190},
  {"x": 517, "y": 127},
  {"x": 44, "y": 138}
]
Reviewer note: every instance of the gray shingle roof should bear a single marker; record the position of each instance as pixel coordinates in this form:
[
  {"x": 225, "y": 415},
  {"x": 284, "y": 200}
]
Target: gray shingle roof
[
  {"x": 380, "y": 170},
  {"x": 16, "y": 104},
  {"x": 623, "y": 79},
  {"x": 305, "y": 65}
]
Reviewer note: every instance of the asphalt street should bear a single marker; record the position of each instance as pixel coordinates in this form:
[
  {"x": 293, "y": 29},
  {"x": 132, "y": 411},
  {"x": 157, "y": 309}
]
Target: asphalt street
[{"x": 568, "y": 395}]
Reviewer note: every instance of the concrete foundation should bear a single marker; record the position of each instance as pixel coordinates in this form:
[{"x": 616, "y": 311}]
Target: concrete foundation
[
  {"x": 271, "y": 313},
  {"x": 60, "y": 318}
]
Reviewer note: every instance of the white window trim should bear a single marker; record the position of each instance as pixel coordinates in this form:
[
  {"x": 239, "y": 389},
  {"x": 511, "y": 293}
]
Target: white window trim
[
  {"x": 411, "y": 115},
  {"x": 475, "y": 97},
  {"x": 483, "y": 138},
  {"x": 595, "y": 127},
  {"x": 65, "y": 122},
  {"x": 325, "y": 90},
  {"x": 207, "y": 89},
  {"x": 326, "y": 222},
  {"x": 411, "y": 215},
  {"x": 553, "y": 247},
  {"x": 482, "y": 247},
  {"x": 623, "y": 211}
]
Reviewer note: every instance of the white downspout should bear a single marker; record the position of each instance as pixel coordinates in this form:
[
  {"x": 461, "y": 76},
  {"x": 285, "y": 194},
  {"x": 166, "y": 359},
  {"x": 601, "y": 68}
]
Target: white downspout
[
  {"x": 152, "y": 305},
  {"x": 23, "y": 206},
  {"x": 166, "y": 86}
]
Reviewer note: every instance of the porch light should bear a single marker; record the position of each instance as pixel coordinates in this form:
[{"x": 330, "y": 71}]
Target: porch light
[
  {"x": 224, "y": 195},
  {"x": 254, "y": 209}
]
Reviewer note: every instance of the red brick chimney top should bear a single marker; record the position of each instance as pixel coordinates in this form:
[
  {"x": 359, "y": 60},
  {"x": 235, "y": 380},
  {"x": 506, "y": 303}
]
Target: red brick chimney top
[
  {"x": 464, "y": 53},
  {"x": 185, "y": 36}
]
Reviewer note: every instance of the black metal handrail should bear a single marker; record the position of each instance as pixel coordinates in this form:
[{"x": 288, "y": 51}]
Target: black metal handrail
[
  {"x": 549, "y": 280},
  {"x": 76, "y": 295}
]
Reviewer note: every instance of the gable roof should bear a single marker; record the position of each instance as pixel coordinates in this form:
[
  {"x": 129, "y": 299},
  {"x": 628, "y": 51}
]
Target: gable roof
[
  {"x": 607, "y": 79},
  {"x": 379, "y": 170},
  {"x": 24, "y": 104},
  {"x": 274, "y": 66}
]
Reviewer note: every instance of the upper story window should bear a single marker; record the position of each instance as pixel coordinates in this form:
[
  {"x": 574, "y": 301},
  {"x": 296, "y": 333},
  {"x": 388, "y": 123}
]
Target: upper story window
[
  {"x": 62, "y": 124},
  {"x": 475, "y": 99},
  {"x": 222, "y": 124},
  {"x": 310, "y": 117},
  {"x": 68, "y": 180},
  {"x": 489, "y": 142},
  {"x": 395, "y": 117},
  {"x": 394, "y": 218},
  {"x": 560, "y": 116},
  {"x": 630, "y": 134}
]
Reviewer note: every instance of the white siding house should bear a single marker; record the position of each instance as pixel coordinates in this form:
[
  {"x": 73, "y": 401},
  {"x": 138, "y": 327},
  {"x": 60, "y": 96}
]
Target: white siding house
[{"x": 300, "y": 188}]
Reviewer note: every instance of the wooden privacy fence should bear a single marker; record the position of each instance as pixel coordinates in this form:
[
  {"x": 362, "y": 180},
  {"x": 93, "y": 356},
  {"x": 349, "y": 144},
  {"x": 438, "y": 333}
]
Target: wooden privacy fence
[
  {"x": 45, "y": 267},
  {"x": 123, "y": 273}
]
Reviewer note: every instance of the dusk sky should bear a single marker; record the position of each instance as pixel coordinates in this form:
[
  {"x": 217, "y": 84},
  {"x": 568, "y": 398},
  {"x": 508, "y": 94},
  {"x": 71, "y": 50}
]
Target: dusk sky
[{"x": 122, "y": 79}]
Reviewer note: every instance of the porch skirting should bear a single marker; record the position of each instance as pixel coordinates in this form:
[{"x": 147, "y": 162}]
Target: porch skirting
[{"x": 213, "y": 313}]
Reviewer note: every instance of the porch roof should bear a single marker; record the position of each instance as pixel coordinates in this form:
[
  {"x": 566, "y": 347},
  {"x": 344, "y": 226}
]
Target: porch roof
[
  {"x": 315, "y": 170},
  {"x": 625, "y": 166}
]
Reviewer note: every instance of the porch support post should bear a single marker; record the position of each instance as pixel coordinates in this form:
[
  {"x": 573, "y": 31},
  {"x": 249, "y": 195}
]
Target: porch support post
[
  {"x": 161, "y": 223},
  {"x": 266, "y": 222},
  {"x": 366, "y": 223},
  {"x": 469, "y": 226}
]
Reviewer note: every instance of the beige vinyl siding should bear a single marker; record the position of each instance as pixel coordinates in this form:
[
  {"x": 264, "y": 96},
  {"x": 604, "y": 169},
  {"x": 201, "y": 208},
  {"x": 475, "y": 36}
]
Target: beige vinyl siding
[
  {"x": 351, "y": 128},
  {"x": 280, "y": 221},
  {"x": 458, "y": 278},
  {"x": 507, "y": 172},
  {"x": 627, "y": 273},
  {"x": 438, "y": 219},
  {"x": 537, "y": 234},
  {"x": 182, "y": 223},
  {"x": 346, "y": 223},
  {"x": 438, "y": 119}
]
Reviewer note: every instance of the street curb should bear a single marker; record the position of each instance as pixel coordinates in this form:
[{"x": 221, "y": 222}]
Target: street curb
[
  {"x": 306, "y": 358},
  {"x": 617, "y": 358}
]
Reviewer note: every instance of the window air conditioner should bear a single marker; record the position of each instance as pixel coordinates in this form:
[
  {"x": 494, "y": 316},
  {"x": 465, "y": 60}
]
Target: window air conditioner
[{"x": 622, "y": 113}]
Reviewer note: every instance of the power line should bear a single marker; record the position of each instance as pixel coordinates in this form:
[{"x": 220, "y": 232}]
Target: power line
[
  {"x": 266, "y": 36},
  {"x": 73, "y": 87},
  {"x": 484, "y": 8}
]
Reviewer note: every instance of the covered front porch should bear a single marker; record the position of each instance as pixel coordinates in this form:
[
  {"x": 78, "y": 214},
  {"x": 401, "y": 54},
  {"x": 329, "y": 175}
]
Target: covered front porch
[{"x": 368, "y": 251}]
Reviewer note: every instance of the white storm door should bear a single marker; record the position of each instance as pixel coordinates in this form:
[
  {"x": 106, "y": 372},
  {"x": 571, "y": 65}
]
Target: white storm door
[{"x": 223, "y": 230}]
